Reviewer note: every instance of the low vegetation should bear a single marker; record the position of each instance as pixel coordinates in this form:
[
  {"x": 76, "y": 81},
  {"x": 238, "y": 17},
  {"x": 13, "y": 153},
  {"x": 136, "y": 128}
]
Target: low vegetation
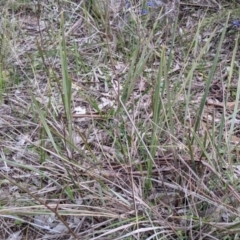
[{"x": 119, "y": 119}]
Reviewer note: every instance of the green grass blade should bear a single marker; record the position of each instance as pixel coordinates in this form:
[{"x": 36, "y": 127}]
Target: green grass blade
[
  {"x": 210, "y": 78},
  {"x": 67, "y": 84}
]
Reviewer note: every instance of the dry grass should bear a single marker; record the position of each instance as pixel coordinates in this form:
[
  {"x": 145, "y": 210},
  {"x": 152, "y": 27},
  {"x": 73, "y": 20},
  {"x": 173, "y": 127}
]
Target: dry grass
[{"x": 117, "y": 125}]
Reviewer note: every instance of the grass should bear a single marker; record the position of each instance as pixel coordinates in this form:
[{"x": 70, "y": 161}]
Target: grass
[{"x": 115, "y": 125}]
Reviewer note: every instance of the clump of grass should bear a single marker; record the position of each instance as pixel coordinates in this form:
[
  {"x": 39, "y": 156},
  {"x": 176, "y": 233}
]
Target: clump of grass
[{"x": 106, "y": 140}]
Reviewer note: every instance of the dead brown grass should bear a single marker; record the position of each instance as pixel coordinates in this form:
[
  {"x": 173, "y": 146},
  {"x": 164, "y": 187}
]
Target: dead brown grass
[{"x": 92, "y": 184}]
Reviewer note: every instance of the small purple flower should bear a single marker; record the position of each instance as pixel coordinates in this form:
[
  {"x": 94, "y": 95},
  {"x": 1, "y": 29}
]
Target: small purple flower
[
  {"x": 128, "y": 4},
  {"x": 144, "y": 12},
  {"x": 236, "y": 23},
  {"x": 150, "y": 4}
]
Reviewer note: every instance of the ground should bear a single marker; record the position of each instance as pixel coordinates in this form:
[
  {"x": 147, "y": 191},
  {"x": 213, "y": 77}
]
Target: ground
[{"x": 119, "y": 119}]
